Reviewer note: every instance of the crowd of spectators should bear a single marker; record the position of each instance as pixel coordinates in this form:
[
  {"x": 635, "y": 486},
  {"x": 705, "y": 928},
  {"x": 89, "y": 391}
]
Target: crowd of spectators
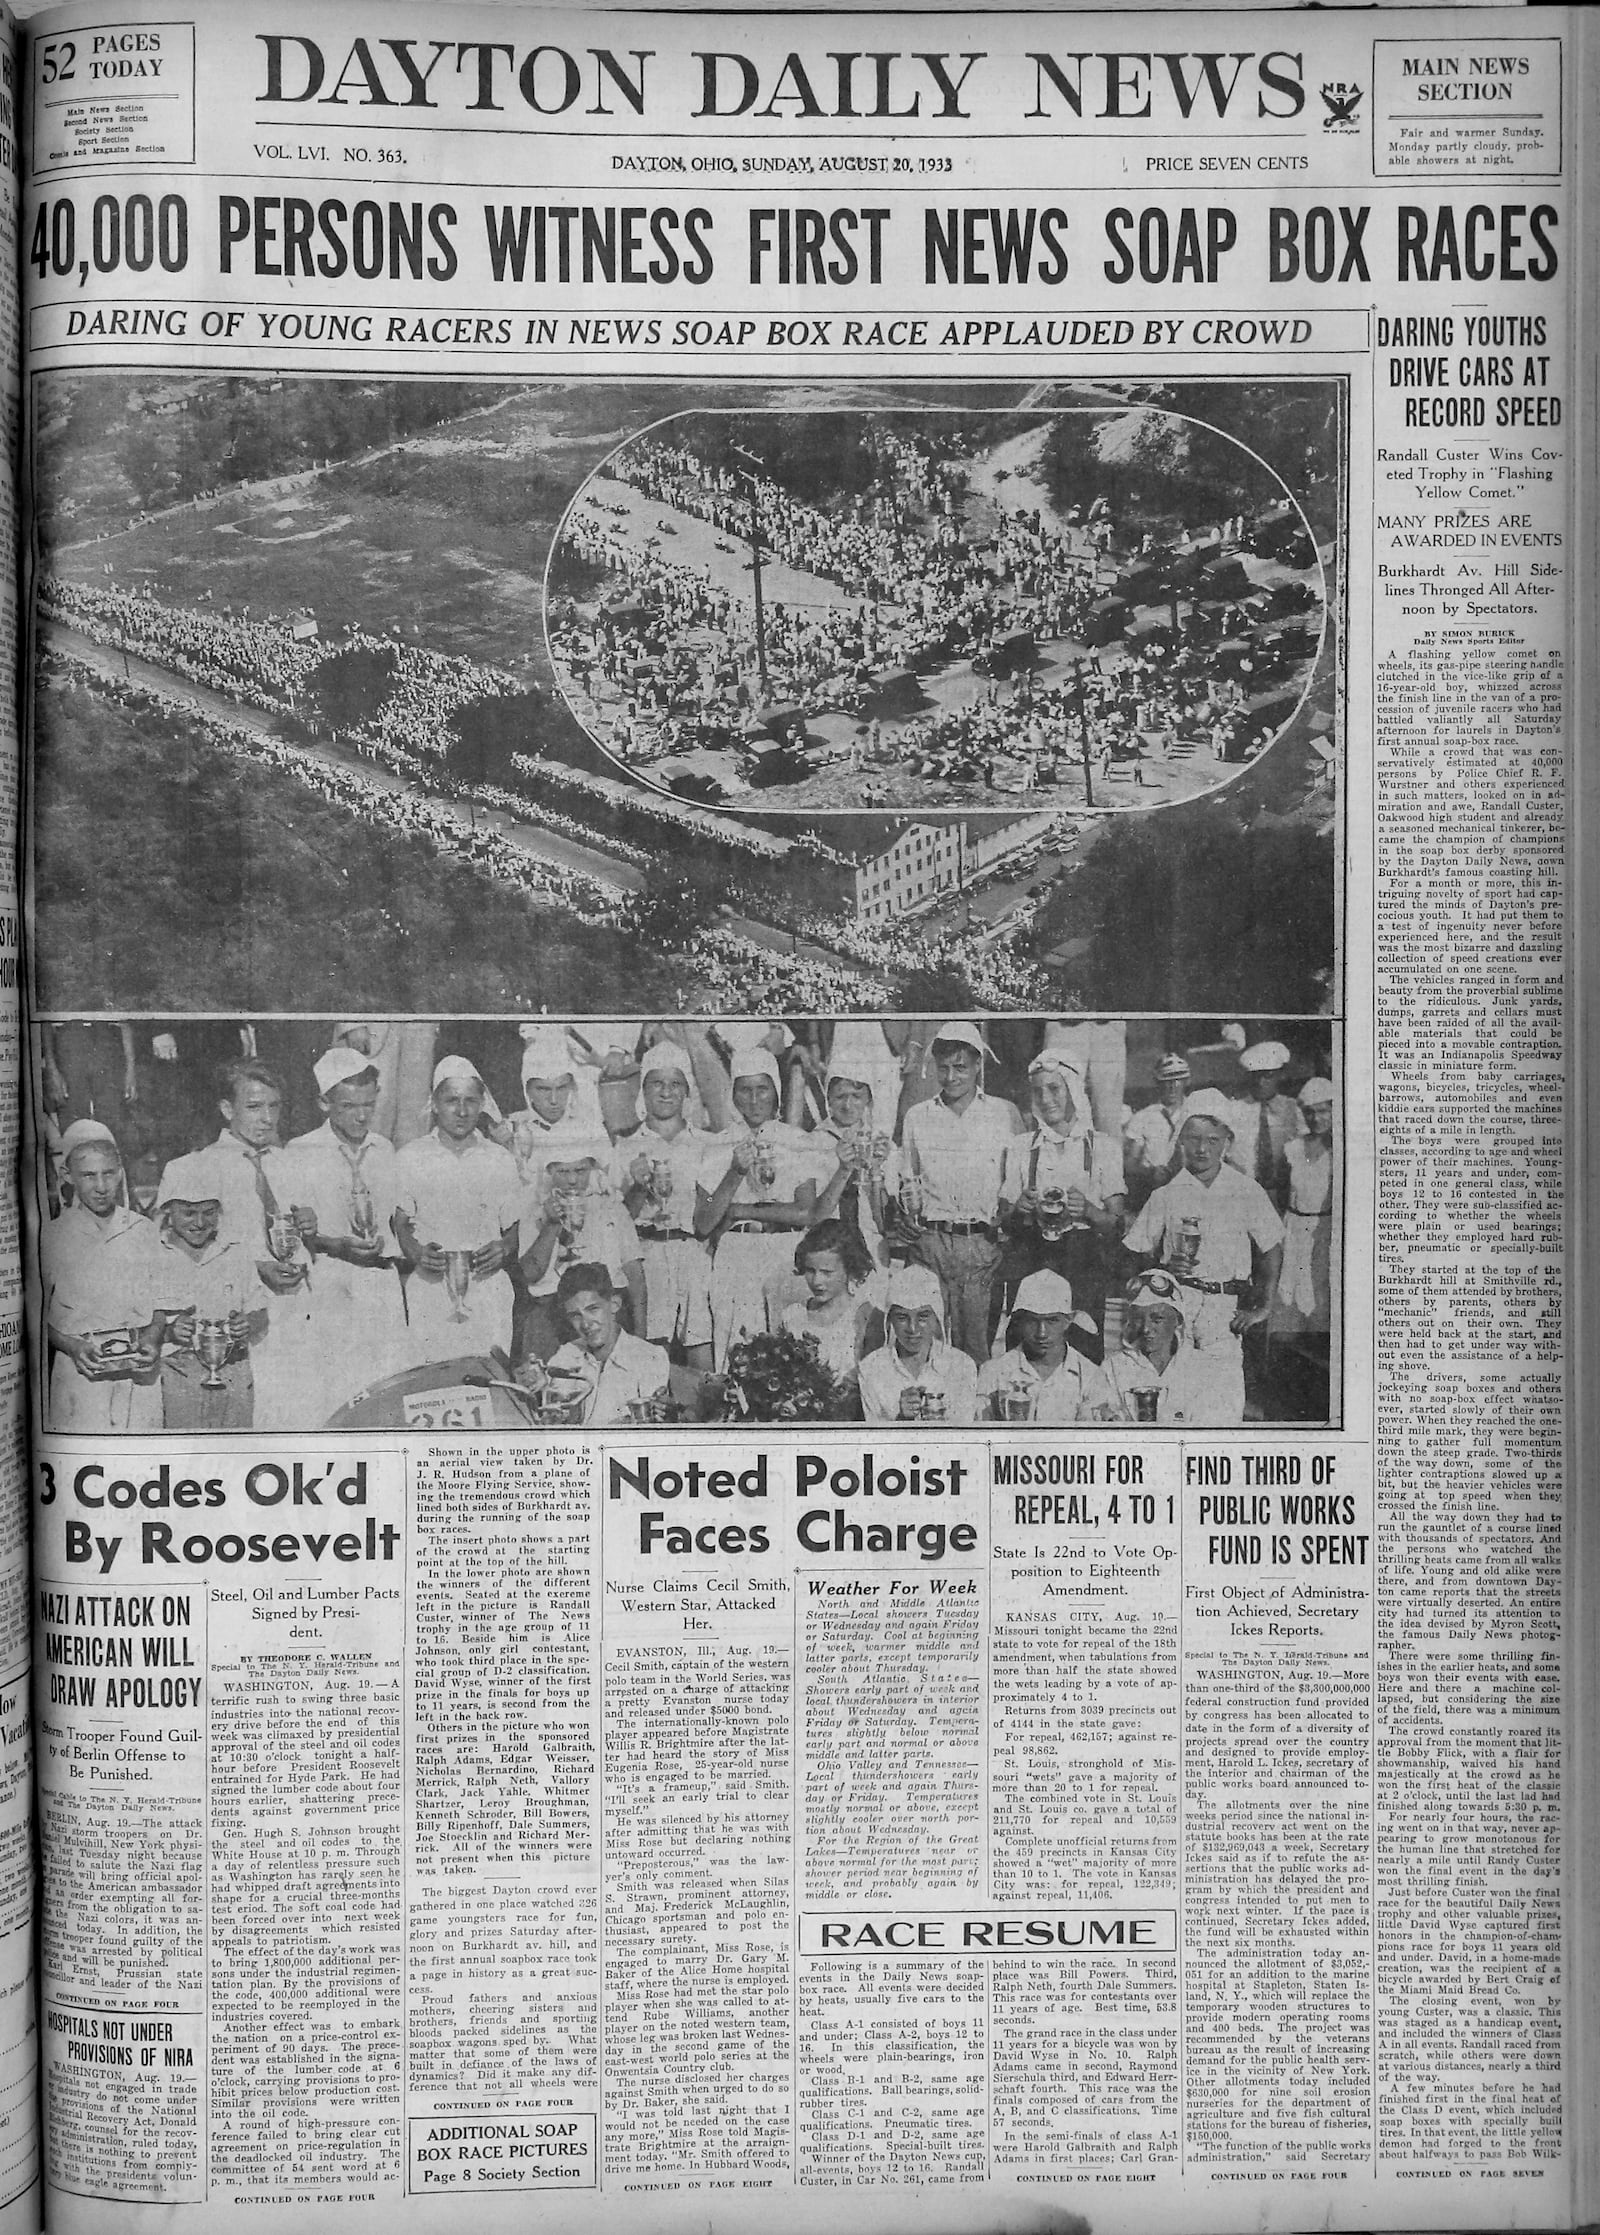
[
  {"x": 259, "y": 662},
  {"x": 265, "y": 665},
  {"x": 405, "y": 740},
  {"x": 727, "y": 964},
  {"x": 373, "y": 800},
  {"x": 668, "y": 660}
]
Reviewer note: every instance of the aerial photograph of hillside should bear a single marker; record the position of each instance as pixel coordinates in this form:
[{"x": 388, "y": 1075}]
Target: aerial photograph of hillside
[{"x": 844, "y": 696}]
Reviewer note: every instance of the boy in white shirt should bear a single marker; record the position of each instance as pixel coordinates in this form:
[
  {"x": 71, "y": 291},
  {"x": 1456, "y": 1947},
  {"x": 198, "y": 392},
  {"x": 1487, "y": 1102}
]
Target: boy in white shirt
[{"x": 206, "y": 1277}]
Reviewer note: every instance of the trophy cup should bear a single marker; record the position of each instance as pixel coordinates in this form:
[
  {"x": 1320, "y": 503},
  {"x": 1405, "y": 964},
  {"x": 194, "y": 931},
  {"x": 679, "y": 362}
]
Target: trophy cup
[
  {"x": 457, "y": 1280},
  {"x": 1186, "y": 1246},
  {"x": 363, "y": 1211},
  {"x": 1016, "y": 1401},
  {"x": 1052, "y": 1215},
  {"x": 283, "y": 1241},
  {"x": 213, "y": 1340},
  {"x": 855, "y": 1147},
  {"x": 1146, "y": 1405},
  {"x": 660, "y": 1189}
]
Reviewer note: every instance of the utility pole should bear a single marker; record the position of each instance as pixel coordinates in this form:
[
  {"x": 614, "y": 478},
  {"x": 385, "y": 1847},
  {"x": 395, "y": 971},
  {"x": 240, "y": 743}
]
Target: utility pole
[
  {"x": 1083, "y": 732},
  {"x": 755, "y": 560}
]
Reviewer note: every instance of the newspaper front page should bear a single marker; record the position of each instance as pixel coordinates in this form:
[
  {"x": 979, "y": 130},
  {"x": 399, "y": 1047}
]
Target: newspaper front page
[{"x": 797, "y": 882}]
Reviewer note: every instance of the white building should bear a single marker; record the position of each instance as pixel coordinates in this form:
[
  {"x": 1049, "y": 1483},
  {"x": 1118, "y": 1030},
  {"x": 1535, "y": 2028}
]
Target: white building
[{"x": 924, "y": 861}]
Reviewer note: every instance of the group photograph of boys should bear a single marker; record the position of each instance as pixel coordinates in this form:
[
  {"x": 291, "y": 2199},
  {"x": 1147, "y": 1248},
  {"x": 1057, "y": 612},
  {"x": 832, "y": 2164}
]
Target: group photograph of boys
[{"x": 292, "y": 1224}]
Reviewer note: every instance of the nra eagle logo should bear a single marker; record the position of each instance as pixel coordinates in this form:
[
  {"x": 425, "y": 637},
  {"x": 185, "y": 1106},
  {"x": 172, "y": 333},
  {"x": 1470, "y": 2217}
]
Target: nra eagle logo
[{"x": 1341, "y": 102}]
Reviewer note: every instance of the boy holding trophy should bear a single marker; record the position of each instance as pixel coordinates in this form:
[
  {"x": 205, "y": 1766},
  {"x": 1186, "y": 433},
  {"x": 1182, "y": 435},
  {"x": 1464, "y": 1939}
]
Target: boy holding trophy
[{"x": 211, "y": 1303}]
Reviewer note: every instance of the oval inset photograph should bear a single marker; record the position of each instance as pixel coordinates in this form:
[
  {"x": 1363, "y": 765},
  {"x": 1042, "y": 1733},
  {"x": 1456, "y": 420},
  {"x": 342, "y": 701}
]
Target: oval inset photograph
[{"x": 858, "y": 608}]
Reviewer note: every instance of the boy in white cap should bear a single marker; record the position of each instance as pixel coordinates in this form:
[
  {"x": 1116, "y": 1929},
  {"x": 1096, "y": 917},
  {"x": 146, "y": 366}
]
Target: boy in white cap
[
  {"x": 1215, "y": 1230},
  {"x": 1158, "y": 1378},
  {"x": 206, "y": 1275},
  {"x": 1062, "y": 1191},
  {"x": 555, "y": 1103},
  {"x": 1099, "y": 1046},
  {"x": 99, "y": 1272},
  {"x": 571, "y": 1216},
  {"x": 657, "y": 1170},
  {"x": 1265, "y": 1119},
  {"x": 752, "y": 1205},
  {"x": 459, "y": 1201},
  {"x": 342, "y": 1180},
  {"x": 917, "y": 1375},
  {"x": 953, "y": 1154},
  {"x": 1150, "y": 1135},
  {"x": 400, "y": 1049},
  {"x": 856, "y": 1189},
  {"x": 1040, "y": 1376},
  {"x": 861, "y": 1048}
]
